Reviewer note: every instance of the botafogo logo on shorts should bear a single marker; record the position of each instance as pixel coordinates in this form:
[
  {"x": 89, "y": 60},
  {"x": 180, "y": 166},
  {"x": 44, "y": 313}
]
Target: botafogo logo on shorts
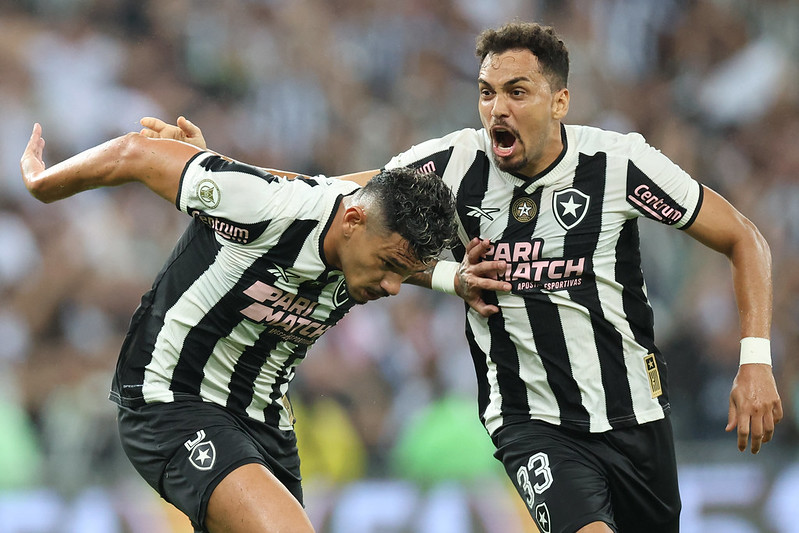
[{"x": 202, "y": 453}]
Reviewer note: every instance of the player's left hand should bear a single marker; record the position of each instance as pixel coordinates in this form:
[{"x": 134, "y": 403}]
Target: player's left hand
[
  {"x": 184, "y": 130},
  {"x": 755, "y": 405}
]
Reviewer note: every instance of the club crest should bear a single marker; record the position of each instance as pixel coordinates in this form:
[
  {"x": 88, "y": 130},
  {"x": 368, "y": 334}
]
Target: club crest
[
  {"x": 542, "y": 517},
  {"x": 202, "y": 453},
  {"x": 341, "y": 295},
  {"x": 570, "y": 206}
]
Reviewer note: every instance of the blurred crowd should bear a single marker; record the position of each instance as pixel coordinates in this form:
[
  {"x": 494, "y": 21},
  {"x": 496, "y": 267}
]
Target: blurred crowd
[{"x": 337, "y": 86}]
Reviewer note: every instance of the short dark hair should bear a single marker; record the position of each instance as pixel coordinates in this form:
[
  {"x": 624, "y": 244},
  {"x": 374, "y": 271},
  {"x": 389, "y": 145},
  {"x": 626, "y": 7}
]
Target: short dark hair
[
  {"x": 416, "y": 205},
  {"x": 542, "y": 41}
]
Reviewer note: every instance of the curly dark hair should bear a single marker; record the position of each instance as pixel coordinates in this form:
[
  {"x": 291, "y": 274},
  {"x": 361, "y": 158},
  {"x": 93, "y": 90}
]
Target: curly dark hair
[
  {"x": 416, "y": 205},
  {"x": 542, "y": 41}
]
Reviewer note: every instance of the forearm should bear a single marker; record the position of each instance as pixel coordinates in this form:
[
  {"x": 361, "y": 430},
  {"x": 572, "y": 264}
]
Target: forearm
[
  {"x": 96, "y": 167},
  {"x": 422, "y": 279},
  {"x": 752, "y": 283}
]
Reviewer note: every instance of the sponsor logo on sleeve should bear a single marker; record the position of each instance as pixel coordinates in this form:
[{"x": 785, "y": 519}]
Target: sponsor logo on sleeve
[
  {"x": 644, "y": 195},
  {"x": 229, "y": 230}
]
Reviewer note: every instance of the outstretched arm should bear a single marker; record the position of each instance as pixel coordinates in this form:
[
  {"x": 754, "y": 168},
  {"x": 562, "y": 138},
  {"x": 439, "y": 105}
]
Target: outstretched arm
[
  {"x": 133, "y": 157},
  {"x": 184, "y": 130},
  {"x": 755, "y": 405}
]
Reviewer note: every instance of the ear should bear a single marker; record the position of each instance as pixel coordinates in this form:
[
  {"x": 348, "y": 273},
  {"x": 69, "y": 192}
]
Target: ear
[
  {"x": 560, "y": 104},
  {"x": 354, "y": 216}
]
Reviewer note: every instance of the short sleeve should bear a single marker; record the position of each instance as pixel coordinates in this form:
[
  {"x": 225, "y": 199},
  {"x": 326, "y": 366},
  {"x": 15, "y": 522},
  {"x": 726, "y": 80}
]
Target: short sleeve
[{"x": 659, "y": 189}]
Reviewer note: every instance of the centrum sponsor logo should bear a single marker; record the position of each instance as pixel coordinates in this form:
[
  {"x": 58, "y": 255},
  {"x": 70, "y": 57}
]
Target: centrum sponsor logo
[
  {"x": 655, "y": 204},
  {"x": 528, "y": 271},
  {"x": 429, "y": 167},
  {"x": 224, "y": 228}
]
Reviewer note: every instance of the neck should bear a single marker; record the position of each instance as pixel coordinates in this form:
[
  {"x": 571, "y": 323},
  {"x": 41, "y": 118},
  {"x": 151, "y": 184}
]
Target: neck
[{"x": 332, "y": 239}]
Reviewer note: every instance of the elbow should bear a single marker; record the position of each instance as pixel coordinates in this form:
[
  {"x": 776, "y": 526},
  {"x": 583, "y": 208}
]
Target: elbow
[
  {"x": 118, "y": 163},
  {"x": 121, "y": 155},
  {"x": 756, "y": 243}
]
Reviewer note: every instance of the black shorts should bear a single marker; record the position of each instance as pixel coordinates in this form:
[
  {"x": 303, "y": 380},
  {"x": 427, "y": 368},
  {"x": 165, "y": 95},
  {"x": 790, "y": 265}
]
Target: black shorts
[
  {"x": 184, "y": 449},
  {"x": 626, "y": 478}
]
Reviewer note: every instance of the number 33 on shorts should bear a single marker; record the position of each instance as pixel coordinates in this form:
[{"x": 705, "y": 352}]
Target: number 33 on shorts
[{"x": 534, "y": 478}]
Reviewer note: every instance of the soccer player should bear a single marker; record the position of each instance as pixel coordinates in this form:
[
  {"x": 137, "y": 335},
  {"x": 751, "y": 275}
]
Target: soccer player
[
  {"x": 267, "y": 265},
  {"x": 571, "y": 385}
]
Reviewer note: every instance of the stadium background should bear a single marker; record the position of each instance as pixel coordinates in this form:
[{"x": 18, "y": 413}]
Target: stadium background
[{"x": 389, "y": 436}]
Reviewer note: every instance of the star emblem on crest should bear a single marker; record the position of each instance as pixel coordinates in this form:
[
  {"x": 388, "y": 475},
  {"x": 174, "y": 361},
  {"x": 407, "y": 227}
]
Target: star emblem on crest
[
  {"x": 570, "y": 206},
  {"x": 524, "y": 209}
]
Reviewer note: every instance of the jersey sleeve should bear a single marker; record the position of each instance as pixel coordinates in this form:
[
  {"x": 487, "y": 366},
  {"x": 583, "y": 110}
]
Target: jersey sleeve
[
  {"x": 239, "y": 201},
  {"x": 659, "y": 189}
]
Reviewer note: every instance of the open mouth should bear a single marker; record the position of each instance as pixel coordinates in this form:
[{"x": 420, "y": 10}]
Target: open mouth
[{"x": 504, "y": 141}]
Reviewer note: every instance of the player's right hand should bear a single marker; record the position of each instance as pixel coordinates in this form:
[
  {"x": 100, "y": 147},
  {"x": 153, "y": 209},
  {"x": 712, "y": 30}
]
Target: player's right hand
[
  {"x": 31, "y": 164},
  {"x": 185, "y": 131}
]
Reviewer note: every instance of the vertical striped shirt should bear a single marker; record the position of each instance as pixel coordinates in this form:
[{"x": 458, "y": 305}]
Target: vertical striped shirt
[
  {"x": 243, "y": 295},
  {"x": 573, "y": 343}
]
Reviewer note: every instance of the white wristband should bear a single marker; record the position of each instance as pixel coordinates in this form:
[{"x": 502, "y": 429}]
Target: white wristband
[
  {"x": 443, "y": 279},
  {"x": 755, "y": 350}
]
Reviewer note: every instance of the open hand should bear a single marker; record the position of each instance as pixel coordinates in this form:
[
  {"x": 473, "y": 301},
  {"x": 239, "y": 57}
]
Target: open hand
[
  {"x": 31, "y": 164},
  {"x": 185, "y": 131}
]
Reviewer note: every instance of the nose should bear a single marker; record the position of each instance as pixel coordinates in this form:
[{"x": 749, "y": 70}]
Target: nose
[
  {"x": 499, "y": 107},
  {"x": 391, "y": 283}
]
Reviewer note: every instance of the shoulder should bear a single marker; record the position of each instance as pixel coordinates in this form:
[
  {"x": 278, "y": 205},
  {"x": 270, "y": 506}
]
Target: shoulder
[
  {"x": 590, "y": 139},
  {"x": 461, "y": 139}
]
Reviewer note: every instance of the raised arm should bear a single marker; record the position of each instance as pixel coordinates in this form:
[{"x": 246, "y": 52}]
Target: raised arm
[
  {"x": 186, "y": 131},
  {"x": 755, "y": 405},
  {"x": 156, "y": 163}
]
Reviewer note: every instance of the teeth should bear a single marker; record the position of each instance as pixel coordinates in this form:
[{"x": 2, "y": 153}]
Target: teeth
[{"x": 502, "y": 150}]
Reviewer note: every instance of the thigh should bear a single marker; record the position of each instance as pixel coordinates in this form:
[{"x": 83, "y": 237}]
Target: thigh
[
  {"x": 251, "y": 499},
  {"x": 555, "y": 474}
]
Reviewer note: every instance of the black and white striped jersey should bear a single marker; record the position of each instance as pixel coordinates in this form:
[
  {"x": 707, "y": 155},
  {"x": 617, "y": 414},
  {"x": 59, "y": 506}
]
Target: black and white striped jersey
[
  {"x": 243, "y": 295},
  {"x": 573, "y": 343}
]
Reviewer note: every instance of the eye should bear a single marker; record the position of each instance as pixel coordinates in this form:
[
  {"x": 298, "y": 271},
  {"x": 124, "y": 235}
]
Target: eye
[{"x": 518, "y": 92}]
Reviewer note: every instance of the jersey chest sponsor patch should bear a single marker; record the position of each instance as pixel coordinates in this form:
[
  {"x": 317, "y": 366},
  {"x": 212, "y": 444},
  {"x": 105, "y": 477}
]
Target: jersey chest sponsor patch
[
  {"x": 528, "y": 271},
  {"x": 285, "y": 314}
]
